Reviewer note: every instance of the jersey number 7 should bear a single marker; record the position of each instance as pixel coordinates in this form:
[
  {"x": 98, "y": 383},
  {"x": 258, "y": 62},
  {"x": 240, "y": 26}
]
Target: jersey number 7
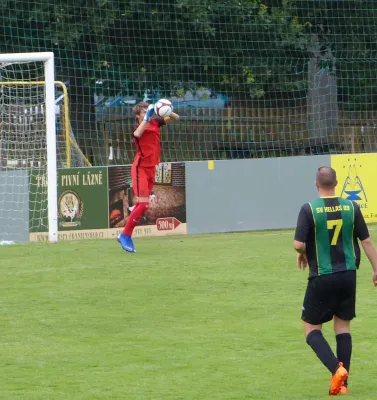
[{"x": 337, "y": 224}]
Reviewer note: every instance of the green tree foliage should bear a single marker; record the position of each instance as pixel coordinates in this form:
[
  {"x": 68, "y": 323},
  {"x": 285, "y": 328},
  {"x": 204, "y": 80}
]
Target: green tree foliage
[
  {"x": 250, "y": 49},
  {"x": 243, "y": 46}
]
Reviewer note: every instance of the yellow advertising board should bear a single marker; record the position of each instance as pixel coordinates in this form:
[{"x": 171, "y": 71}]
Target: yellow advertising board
[{"x": 357, "y": 180}]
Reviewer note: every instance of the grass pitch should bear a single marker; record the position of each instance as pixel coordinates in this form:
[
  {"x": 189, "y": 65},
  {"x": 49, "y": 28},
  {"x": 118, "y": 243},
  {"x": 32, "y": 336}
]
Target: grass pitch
[{"x": 212, "y": 317}]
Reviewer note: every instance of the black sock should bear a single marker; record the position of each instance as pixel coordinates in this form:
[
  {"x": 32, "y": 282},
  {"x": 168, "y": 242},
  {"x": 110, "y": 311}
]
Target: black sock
[
  {"x": 344, "y": 350},
  {"x": 323, "y": 350}
]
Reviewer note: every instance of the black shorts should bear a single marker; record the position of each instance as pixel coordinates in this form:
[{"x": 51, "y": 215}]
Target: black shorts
[{"x": 329, "y": 295}]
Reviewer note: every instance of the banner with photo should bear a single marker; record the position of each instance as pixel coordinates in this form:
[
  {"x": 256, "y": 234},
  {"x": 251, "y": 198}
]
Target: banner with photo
[
  {"x": 357, "y": 181},
  {"x": 167, "y": 209}
]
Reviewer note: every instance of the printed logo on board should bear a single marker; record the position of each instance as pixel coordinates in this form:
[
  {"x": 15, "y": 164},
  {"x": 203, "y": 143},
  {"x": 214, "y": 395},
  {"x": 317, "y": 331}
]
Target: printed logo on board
[
  {"x": 70, "y": 209},
  {"x": 353, "y": 188}
]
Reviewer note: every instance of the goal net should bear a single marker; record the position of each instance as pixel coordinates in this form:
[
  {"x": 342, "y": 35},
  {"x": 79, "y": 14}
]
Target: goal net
[{"x": 35, "y": 139}]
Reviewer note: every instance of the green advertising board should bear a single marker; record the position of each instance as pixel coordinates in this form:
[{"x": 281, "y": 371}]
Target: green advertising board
[
  {"x": 82, "y": 199},
  {"x": 38, "y": 221}
]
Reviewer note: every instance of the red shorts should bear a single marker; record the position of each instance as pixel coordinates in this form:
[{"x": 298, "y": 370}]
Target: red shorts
[{"x": 142, "y": 180}]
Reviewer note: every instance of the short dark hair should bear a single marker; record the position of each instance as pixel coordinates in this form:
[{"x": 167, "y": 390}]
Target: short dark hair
[
  {"x": 142, "y": 105},
  {"x": 326, "y": 177}
]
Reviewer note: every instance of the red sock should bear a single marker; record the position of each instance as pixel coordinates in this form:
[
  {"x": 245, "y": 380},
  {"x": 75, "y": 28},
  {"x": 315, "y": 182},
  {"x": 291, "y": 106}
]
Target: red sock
[{"x": 134, "y": 218}]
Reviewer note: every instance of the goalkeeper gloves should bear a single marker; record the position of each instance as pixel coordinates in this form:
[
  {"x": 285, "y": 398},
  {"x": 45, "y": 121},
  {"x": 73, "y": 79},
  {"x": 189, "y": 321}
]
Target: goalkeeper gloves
[{"x": 149, "y": 112}]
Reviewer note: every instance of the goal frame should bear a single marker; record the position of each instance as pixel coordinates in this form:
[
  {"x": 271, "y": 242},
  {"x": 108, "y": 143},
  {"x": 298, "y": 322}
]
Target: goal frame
[{"x": 52, "y": 192}]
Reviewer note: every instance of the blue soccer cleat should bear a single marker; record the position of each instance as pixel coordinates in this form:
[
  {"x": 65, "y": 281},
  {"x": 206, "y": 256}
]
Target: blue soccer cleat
[{"x": 126, "y": 243}]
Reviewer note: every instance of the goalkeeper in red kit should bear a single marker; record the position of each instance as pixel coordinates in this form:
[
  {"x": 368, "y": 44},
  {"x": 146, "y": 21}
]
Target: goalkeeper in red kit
[{"x": 146, "y": 137}]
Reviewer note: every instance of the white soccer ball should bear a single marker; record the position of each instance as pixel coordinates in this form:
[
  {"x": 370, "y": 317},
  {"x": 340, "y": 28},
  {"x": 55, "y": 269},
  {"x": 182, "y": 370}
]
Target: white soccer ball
[{"x": 163, "y": 108}]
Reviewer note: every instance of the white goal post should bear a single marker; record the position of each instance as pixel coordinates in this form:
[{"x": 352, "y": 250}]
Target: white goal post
[{"x": 49, "y": 93}]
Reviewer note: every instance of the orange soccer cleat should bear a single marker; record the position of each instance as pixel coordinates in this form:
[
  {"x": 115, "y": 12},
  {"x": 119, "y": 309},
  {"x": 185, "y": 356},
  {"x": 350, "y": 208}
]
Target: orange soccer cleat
[
  {"x": 344, "y": 390},
  {"x": 337, "y": 380}
]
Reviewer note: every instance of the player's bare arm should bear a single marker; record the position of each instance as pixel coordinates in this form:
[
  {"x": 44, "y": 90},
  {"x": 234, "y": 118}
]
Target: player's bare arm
[
  {"x": 362, "y": 234},
  {"x": 173, "y": 117},
  {"x": 302, "y": 261},
  {"x": 299, "y": 246},
  {"x": 371, "y": 253},
  {"x": 143, "y": 116},
  {"x": 140, "y": 129}
]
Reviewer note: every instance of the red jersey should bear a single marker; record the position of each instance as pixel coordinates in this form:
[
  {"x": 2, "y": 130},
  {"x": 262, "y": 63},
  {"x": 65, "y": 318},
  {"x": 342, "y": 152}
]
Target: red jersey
[{"x": 148, "y": 147}]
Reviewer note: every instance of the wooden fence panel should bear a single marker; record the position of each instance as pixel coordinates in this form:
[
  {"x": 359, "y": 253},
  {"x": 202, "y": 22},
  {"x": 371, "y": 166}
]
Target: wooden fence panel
[{"x": 200, "y": 132}]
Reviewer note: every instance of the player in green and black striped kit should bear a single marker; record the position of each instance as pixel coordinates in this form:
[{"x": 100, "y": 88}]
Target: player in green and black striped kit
[{"x": 326, "y": 238}]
